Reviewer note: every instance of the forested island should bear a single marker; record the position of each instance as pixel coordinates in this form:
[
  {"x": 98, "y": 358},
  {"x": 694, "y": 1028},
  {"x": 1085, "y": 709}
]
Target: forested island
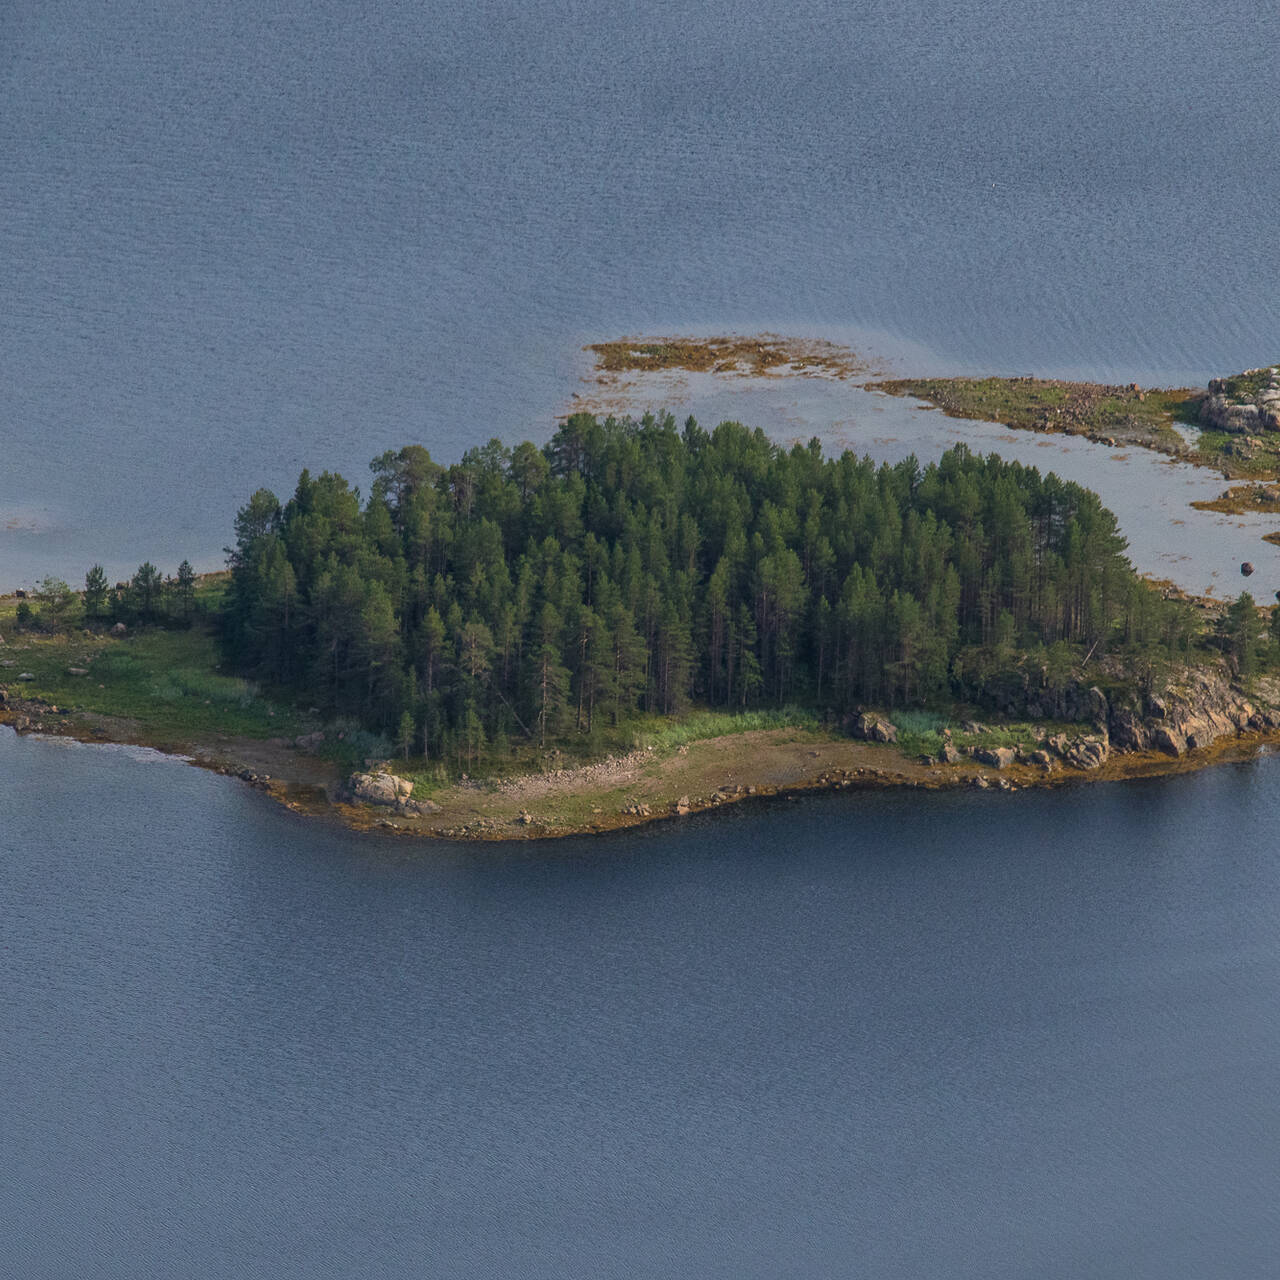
[
  {"x": 634, "y": 567},
  {"x": 529, "y": 609}
]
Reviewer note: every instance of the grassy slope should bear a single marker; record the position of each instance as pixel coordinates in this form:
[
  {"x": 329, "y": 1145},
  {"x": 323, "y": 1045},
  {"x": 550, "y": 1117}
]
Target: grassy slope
[{"x": 164, "y": 682}]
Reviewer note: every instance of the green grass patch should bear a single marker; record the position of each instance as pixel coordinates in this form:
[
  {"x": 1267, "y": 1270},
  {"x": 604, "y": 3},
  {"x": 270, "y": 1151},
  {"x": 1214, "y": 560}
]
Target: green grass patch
[
  {"x": 166, "y": 681},
  {"x": 921, "y": 732},
  {"x": 698, "y": 725},
  {"x": 1237, "y": 458}
]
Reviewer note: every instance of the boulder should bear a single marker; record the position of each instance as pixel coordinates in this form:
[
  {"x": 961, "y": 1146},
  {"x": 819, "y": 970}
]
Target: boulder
[
  {"x": 119, "y": 629},
  {"x": 417, "y": 808},
  {"x": 309, "y": 741},
  {"x": 1220, "y": 414},
  {"x": 998, "y": 757},
  {"x": 25, "y": 675},
  {"x": 379, "y": 788},
  {"x": 870, "y": 727},
  {"x": 948, "y": 754},
  {"x": 77, "y": 671},
  {"x": 1087, "y": 753},
  {"x": 682, "y": 806}
]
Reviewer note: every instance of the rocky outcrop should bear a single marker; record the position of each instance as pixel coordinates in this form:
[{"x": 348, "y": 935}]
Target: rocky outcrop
[
  {"x": 866, "y": 726},
  {"x": 387, "y": 789},
  {"x": 1202, "y": 708},
  {"x": 379, "y": 788},
  {"x": 1254, "y": 408},
  {"x": 1194, "y": 708}
]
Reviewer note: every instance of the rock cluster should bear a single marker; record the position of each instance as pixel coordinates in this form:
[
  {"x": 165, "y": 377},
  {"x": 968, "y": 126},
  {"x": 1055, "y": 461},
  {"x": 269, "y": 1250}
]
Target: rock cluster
[
  {"x": 1243, "y": 415},
  {"x": 1189, "y": 716}
]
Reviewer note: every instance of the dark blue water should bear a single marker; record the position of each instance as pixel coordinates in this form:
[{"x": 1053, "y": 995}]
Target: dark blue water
[
  {"x": 881, "y": 1035},
  {"x": 237, "y": 239}
]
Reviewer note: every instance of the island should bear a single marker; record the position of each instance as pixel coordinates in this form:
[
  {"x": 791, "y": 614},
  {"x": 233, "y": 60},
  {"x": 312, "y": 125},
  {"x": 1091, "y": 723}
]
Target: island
[{"x": 643, "y": 619}]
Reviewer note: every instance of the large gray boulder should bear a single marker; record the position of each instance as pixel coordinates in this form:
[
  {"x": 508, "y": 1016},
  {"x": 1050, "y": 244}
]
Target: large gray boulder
[
  {"x": 379, "y": 788},
  {"x": 997, "y": 757}
]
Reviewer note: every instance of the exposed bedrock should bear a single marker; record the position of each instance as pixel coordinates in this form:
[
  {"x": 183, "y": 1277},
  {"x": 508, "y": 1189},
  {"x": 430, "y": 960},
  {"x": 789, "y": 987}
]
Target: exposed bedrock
[
  {"x": 1246, "y": 411},
  {"x": 1188, "y": 712}
]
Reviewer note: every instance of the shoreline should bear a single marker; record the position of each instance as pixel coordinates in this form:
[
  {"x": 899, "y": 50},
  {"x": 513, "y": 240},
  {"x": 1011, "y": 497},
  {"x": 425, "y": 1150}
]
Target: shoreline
[
  {"x": 221, "y": 722},
  {"x": 757, "y": 765}
]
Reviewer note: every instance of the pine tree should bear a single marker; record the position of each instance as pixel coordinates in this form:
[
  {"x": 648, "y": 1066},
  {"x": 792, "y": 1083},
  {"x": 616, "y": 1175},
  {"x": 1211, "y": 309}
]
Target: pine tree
[{"x": 95, "y": 593}]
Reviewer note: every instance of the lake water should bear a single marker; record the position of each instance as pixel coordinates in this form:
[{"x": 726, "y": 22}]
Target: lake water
[
  {"x": 880, "y": 1035},
  {"x": 237, "y": 242},
  {"x": 961, "y": 1035}
]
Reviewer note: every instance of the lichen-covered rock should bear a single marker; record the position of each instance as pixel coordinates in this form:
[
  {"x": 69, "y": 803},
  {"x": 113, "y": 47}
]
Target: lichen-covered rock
[{"x": 379, "y": 788}]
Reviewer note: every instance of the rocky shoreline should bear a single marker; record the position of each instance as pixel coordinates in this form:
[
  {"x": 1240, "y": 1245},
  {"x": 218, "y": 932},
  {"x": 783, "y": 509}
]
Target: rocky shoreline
[{"x": 1197, "y": 719}]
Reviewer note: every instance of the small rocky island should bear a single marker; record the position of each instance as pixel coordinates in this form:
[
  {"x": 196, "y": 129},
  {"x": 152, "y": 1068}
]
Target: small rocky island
[{"x": 642, "y": 620}]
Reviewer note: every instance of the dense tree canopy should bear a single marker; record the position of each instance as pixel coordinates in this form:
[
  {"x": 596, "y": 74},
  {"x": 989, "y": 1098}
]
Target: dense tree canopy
[{"x": 633, "y": 566}]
